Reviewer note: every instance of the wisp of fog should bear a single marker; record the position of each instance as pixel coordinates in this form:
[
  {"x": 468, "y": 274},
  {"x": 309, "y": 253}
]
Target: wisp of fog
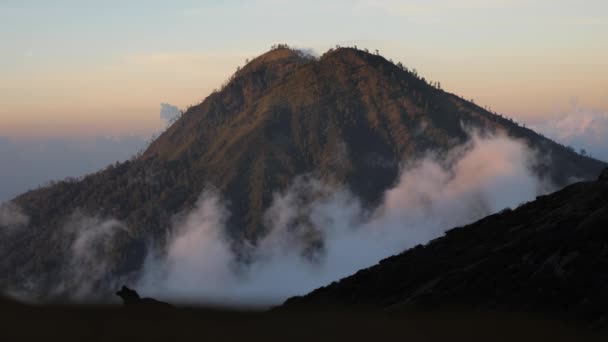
[
  {"x": 11, "y": 216},
  {"x": 319, "y": 233}
]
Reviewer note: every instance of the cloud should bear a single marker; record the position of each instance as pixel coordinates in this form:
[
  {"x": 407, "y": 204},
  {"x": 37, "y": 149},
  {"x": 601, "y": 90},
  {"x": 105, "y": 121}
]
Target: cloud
[
  {"x": 169, "y": 112},
  {"x": 318, "y": 233},
  {"x": 198, "y": 256},
  {"x": 90, "y": 243},
  {"x": 11, "y": 216},
  {"x": 580, "y": 128}
]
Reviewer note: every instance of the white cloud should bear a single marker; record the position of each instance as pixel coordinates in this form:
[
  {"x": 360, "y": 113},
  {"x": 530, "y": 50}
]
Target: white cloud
[
  {"x": 198, "y": 256},
  {"x": 88, "y": 262},
  {"x": 169, "y": 112},
  {"x": 319, "y": 233},
  {"x": 580, "y": 128},
  {"x": 11, "y": 216}
]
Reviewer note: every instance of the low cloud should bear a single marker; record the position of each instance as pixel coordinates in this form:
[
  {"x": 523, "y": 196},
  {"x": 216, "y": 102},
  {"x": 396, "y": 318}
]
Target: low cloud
[
  {"x": 11, "y": 216},
  {"x": 198, "y": 256},
  {"x": 90, "y": 249},
  {"x": 580, "y": 128},
  {"x": 318, "y": 233},
  {"x": 169, "y": 112}
]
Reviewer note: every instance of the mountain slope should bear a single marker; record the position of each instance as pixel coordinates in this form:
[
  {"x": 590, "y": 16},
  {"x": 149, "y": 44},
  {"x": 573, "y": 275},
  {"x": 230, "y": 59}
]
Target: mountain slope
[
  {"x": 349, "y": 117},
  {"x": 547, "y": 256},
  {"x": 352, "y": 117}
]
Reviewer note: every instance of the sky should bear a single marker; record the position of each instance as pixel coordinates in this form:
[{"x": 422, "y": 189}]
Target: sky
[
  {"x": 75, "y": 70},
  {"x": 26, "y": 164},
  {"x": 82, "y": 68}
]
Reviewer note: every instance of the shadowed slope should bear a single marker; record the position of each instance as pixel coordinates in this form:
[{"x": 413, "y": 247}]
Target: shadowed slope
[{"x": 547, "y": 256}]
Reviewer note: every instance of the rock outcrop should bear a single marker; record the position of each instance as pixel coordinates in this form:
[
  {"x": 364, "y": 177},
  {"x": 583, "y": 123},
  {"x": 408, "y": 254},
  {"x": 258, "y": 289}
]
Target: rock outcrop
[{"x": 131, "y": 298}]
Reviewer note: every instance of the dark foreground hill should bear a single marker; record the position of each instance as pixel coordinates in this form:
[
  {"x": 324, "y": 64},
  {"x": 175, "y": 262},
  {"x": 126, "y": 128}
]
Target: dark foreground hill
[
  {"x": 549, "y": 256},
  {"x": 107, "y": 323},
  {"x": 348, "y": 117}
]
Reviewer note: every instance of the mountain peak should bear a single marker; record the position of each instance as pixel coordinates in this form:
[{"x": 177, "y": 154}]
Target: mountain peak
[
  {"x": 277, "y": 58},
  {"x": 282, "y": 55},
  {"x": 278, "y": 53}
]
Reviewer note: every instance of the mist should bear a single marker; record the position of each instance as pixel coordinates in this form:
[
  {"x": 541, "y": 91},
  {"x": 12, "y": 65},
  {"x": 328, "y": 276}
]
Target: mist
[
  {"x": 316, "y": 232},
  {"x": 89, "y": 246},
  {"x": 580, "y": 128},
  {"x": 169, "y": 112},
  {"x": 11, "y": 216},
  {"x": 319, "y": 233}
]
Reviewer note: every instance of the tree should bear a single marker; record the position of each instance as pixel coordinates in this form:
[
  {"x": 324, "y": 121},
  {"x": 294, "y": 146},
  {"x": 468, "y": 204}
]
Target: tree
[
  {"x": 377, "y": 52},
  {"x": 583, "y": 152}
]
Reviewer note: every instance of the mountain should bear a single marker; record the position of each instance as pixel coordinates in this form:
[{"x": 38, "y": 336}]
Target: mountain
[
  {"x": 348, "y": 117},
  {"x": 548, "y": 256}
]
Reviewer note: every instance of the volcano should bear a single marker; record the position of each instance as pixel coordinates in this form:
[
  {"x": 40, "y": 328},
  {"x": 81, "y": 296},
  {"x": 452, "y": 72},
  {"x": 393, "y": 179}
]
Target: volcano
[{"x": 348, "y": 117}]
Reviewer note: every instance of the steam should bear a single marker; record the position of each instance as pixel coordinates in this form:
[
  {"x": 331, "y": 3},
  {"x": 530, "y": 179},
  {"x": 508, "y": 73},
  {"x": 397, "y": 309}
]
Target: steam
[
  {"x": 90, "y": 247},
  {"x": 307, "y": 53},
  {"x": 169, "y": 112},
  {"x": 198, "y": 258},
  {"x": 319, "y": 233},
  {"x": 581, "y": 128},
  {"x": 11, "y": 216}
]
